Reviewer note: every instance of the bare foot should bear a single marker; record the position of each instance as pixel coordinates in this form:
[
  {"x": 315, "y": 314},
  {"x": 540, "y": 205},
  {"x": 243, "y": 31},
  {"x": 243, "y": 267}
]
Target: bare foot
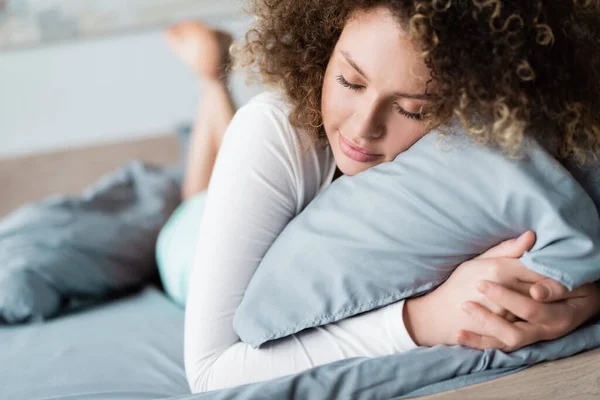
[{"x": 204, "y": 50}]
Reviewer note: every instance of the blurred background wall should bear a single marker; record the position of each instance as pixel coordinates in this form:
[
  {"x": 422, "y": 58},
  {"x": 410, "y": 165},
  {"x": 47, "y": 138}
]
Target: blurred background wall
[{"x": 101, "y": 89}]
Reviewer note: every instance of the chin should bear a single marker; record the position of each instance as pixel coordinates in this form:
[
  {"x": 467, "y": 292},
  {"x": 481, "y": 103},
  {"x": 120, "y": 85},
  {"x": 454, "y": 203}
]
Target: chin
[{"x": 350, "y": 167}]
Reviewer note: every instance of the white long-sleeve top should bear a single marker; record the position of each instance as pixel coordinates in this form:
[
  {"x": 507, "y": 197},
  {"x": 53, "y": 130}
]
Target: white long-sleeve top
[{"x": 261, "y": 180}]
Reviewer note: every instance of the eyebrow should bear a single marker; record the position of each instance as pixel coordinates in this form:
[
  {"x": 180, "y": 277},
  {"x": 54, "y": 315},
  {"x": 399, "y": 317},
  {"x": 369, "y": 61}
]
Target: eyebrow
[{"x": 413, "y": 96}]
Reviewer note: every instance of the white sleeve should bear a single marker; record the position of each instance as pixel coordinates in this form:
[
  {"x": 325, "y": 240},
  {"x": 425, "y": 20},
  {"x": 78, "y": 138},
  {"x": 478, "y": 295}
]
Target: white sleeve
[{"x": 253, "y": 194}]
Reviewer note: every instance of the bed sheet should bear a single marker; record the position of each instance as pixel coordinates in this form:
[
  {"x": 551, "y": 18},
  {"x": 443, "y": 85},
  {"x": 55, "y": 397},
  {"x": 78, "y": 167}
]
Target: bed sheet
[
  {"x": 132, "y": 349},
  {"x": 129, "y": 348}
]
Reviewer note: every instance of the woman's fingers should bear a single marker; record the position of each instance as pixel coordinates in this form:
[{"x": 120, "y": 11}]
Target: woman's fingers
[
  {"x": 489, "y": 326},
  {"x": 513, "y": 248},
  {"x": 479, "y": 342},
  {"x": 522, "y": 287},
  {"x": 520, "y": 305},
  {"x": 510, "y": 317},
  {"x": 548, "y": 290},
  {"x": 517, "y": 272}
]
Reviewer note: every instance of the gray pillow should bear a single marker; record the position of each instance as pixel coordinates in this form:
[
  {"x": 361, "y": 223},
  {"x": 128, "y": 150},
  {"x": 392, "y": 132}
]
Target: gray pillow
[
  {"x": 68, "y": 251},
  {"x": 399, "y": 230}
]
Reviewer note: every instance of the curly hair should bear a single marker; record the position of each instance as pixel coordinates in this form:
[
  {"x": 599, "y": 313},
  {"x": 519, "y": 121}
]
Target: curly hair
[{"x": 504, "y": 68}]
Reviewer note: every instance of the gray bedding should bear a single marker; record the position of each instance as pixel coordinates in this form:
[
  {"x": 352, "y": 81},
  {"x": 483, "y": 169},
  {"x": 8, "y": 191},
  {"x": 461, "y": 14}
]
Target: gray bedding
[
  {"x": 128, "y": 348},
  {"x": 132, "y": 348}
]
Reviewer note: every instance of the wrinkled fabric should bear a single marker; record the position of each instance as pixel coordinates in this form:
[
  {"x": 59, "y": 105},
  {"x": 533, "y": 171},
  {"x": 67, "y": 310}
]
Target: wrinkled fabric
[
  {"x": 100, "y": 349},
  {"x": 69, "y": 250},
  {"x": 400, "y": 229}
]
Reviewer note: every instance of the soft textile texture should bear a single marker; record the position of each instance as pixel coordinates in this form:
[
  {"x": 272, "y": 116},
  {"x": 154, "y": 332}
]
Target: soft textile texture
[
  {"x": 66, "y": 251},
  {"x": 420, "y": 372},
  {"x": 132, "y": 348},
  {"x": 400, "y": 228}
]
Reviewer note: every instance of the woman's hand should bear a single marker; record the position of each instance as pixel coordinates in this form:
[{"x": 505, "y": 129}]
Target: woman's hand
[
  {"x": 561, "y": 312},
  {"x": 490, "y": 319},
  {"x": 437, "y": 317}
]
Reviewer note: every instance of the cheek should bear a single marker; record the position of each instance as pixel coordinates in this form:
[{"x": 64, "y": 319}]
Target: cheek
[
  {"x": 406, "y": 136},
  {"x": 330, "y": 105}
]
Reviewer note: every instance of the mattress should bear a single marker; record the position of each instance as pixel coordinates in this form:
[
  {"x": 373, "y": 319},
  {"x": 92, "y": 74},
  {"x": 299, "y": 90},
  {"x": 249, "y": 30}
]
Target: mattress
[{"x": 129, "y": 348}]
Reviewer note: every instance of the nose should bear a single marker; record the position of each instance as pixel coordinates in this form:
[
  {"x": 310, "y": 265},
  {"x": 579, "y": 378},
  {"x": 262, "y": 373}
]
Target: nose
[{"x": 367, "y": 123}]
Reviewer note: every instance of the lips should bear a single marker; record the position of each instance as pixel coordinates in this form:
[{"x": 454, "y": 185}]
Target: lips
[{"x": 356, "y": 153}]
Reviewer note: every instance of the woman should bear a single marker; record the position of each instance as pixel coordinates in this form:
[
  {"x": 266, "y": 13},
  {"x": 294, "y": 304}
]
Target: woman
[{"x": 359, "y": 83}]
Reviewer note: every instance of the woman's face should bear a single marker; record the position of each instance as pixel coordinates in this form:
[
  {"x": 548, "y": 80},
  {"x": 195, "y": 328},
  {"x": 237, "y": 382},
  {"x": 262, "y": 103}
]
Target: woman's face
[{"x": 373, "y": 92}]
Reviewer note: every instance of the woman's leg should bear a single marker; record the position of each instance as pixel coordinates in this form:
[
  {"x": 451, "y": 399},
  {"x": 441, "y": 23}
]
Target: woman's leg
[{"x": 206, "y": 52}]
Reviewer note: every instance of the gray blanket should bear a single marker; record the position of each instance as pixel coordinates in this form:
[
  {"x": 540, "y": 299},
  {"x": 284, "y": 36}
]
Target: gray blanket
[{"x": 418, "y": 372}]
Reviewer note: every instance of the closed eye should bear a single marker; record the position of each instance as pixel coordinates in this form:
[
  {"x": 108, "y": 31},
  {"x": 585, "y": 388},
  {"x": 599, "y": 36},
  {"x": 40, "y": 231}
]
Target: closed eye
[
  {"x": 349, "y": 85},
  {"x": 402, "y": 111},
  {"x": 354, "y": 87}
]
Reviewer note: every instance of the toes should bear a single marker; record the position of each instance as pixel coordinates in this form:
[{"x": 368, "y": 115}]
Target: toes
[
  {"x": 203, "y": 49},
  {"x": 195, "y": 28},
  {"x": 173, "y": 32}
]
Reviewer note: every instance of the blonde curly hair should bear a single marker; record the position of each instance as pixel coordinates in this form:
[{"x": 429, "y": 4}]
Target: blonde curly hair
[{"x": 503, "y": 68}]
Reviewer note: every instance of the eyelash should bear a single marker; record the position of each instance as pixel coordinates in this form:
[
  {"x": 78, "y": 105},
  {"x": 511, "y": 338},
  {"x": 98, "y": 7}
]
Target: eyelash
[
  {"x": 349, "y": 85},
  {"x": 402, "y": 111},
  {"x": 342, "y": 81}
]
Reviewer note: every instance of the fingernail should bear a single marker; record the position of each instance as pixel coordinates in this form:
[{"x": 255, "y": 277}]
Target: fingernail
[
  {"x": 545, "y": 292},
  {"x": 467, "y": 308},
  {"x": 483, "y": 287}
]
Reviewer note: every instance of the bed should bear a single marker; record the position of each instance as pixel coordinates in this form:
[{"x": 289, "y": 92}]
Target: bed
[
  {"x": 132, "y": 346},
  {"x": 129, "y": 348}
]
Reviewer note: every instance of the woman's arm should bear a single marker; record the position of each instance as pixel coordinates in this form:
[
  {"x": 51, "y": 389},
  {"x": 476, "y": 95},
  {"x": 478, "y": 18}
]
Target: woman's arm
[{"x": 253, "y": 194}]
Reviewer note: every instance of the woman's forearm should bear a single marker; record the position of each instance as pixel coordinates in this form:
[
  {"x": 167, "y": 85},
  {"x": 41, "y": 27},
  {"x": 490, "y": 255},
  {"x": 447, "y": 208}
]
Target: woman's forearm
[{"x": 373, "y": 334}]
